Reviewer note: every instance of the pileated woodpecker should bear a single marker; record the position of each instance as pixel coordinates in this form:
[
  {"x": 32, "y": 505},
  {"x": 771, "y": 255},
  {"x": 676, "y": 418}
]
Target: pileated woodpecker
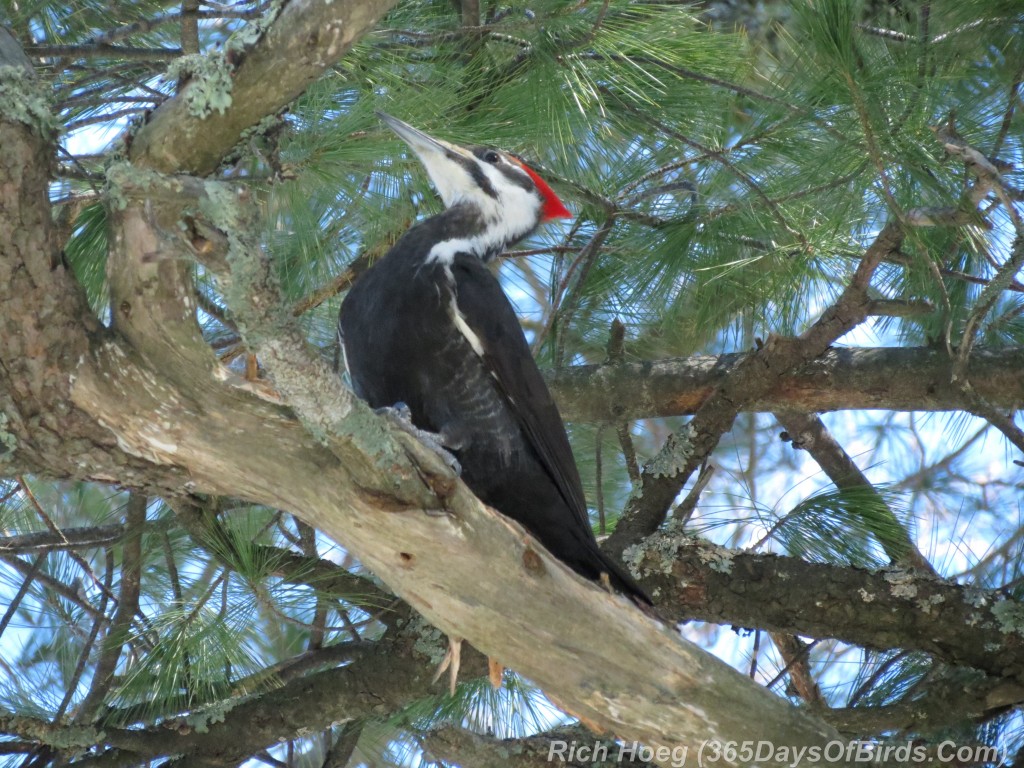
[{"x": 429, "y": 326}]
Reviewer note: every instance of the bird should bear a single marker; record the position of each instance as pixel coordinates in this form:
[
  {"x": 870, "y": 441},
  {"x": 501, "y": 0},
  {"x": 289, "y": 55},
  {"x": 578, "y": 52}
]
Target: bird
[{"x": 429, "y": 328}]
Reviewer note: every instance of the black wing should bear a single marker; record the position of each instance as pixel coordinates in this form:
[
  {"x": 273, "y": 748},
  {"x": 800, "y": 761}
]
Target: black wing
[{"x": 506, "y": 355}]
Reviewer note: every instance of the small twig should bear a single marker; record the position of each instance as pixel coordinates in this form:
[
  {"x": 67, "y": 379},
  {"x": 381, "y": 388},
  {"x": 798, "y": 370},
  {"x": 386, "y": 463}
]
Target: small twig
[
  {"x": 628, "y": 453},
  {"x": 101, "y": 51},
  {"x": 340, "y": 752},
  {"x": 795, "y": 653},
  {"x": 1011, "y": 107},
  {"x": 589, "y": 37},
  {"x": 746, "y": 179},
  {"x": 1002, "y": 422},
  {"x": 106, "y": 117},
  {"x": 214, "y": 310},
  {"x": 53, "y": 585},
  {"x": 809, "y": 433},
  {"x": 874, "y": 152},
  {"x": 688, "y": 505},
  {"x": 868, "y": 684},
  {"x": 52, "y": 527},
  {"x": 584, "y": 262},
  {"x": 599, "y": 478},
  {"x": 190, "y": 13},
  {"x": 985, "y": 302},
  {"x": 889, "y": 34},
  {"x": 616, "y": 354},
  {"x": 127, "y": 606},
  {"x": 752, "y": 674},
  {"x": 189, "y": 26},
  {"x": 26, "y": 582},
  {"x": 86, "y": 653},
  {"x": 900, "y": 307}
]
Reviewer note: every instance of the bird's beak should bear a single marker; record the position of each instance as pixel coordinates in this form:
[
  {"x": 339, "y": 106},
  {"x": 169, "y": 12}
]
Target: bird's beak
[
  {"x": 418, "y": 141},
  {"x": 445, "y": 163},
  {"x": 449, "y": 166}
]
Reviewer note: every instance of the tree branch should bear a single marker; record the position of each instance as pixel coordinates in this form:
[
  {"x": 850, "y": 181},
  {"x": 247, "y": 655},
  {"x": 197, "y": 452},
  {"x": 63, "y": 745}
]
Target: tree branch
[
  {"x": 127, "y": 606},
  {"x": 302, "y": 42},
  {"x": 574, "y": 746},
  {"x": 808, "y": 433},
  {"x": 385, "y": 676},
  {"x": 884, "y": 378},
  {"x": 961, "y": 625}
]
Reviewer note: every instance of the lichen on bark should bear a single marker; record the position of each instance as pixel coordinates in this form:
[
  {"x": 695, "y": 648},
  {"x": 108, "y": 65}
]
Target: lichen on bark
[{"x": 25, "y": 99}]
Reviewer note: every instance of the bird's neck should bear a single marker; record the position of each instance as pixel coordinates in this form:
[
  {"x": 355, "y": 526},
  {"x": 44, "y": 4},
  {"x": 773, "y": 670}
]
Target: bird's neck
[{"x": 468, "y": 228}]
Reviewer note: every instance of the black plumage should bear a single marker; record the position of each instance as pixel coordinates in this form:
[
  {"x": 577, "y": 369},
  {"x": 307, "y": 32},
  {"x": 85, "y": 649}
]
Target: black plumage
[{"x": 430, "y": 326}]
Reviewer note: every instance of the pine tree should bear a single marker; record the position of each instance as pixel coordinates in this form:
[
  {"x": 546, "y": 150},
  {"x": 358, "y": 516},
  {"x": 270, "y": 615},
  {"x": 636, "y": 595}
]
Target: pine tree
[{"x": 784, "y": 328}]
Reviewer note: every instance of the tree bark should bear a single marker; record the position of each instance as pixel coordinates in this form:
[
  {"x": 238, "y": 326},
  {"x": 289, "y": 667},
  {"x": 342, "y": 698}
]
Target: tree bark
[{"x": 891, "y": 379}]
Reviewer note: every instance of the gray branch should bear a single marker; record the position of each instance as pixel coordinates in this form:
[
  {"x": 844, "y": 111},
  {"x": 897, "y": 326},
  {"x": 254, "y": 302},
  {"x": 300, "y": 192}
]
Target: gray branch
[{"x": 883, "y": 378}]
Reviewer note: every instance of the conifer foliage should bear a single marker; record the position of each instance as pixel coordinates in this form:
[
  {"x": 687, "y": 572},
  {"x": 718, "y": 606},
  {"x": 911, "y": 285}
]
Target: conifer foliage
[{"x": 784, "y": 327}]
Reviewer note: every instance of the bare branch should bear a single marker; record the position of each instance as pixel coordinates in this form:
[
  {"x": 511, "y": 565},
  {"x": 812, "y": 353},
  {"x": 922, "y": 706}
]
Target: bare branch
[
  {"x": 807, "y": 432},
  {"x": 102, "y": 51},
  {"x": 127, "y": 606}
]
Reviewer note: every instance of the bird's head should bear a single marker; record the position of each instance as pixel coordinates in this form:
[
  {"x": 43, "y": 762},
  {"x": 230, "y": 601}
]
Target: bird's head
[{"x": 507, "y": 198}]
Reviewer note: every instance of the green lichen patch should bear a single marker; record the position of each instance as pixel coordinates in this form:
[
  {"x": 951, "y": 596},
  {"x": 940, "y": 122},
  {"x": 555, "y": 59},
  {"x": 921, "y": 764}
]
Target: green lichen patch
[
  {"x": 659, "y": 552},
  {"x": 975, "y": 597},
  {"x": 250, "y": 34},
  {"x": 254, "y": 136},
  {"x": 201, "y": 720},
  {"x": 8, "y": 442},
  {"x": 209, "y": 87},
  {"x": 672, "y": 459},
  {"x": 227, "y": 208},
  {"x": 123, "y": 176},
  {"x": 430, "y": 640},
  {"x": 717, "y": 558},
  {"x": 1010, "y": 616},
  {"x": 901, "y": 584},
  {"x": 25, "y": 100},
  {"x": 927, "y": 603}
]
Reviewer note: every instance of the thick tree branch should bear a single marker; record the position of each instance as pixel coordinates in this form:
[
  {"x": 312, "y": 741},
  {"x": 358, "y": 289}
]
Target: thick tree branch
[
  {"x": 885, "y": 378},
  {"x": 949, "y": 701},
  {"x": 301, "y": 43},
  {"x": 961, "y": 625},
  {"x": 47, "y": 320}
]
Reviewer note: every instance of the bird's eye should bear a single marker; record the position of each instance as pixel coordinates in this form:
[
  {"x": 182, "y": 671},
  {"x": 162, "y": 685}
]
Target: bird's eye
[{"x": 490, "y": 156}]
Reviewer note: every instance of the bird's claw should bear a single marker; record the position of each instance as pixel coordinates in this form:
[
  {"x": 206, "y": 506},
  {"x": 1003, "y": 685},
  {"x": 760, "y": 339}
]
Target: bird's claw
[
  {"x": 452, "y": 661},
  {"x": 401, "y": 415}
]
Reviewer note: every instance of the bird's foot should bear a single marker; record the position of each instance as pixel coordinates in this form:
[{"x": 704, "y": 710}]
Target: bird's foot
[
  {"x": 401, "y": 415},
  {"x": 452, "y": 661}
]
